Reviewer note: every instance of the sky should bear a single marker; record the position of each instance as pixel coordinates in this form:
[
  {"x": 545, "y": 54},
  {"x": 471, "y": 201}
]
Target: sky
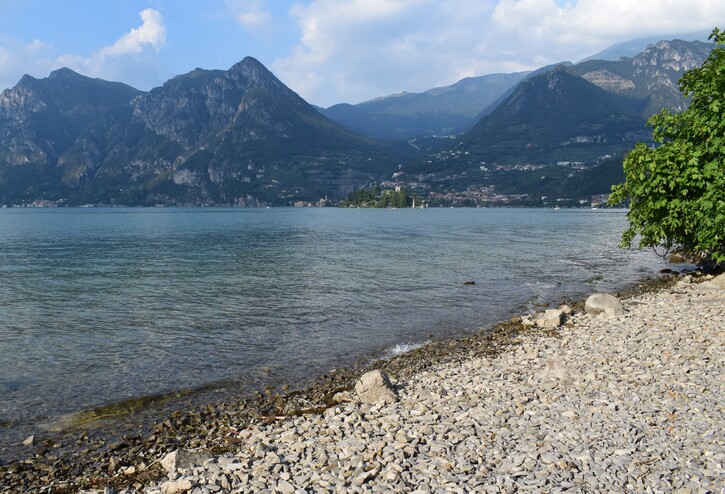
[{"x": 328, "y": 51}]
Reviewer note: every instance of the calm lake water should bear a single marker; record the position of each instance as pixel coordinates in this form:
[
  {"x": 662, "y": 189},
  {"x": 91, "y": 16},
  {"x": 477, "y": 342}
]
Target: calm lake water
[{"x": 102, "y": 305}]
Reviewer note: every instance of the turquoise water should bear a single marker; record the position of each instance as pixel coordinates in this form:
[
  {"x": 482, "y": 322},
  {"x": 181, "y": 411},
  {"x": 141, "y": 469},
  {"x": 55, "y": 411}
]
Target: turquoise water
[{"x": 102, "y": 305}]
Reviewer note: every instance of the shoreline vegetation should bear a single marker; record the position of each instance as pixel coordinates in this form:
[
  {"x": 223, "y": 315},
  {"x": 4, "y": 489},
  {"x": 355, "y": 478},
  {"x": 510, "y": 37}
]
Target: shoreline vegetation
[
  {"x": 377, "y": 197},
  {"x": 254, "y": 433}
]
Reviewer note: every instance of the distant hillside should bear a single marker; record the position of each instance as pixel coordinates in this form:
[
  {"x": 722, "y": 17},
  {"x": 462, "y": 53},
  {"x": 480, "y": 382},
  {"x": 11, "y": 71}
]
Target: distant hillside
[
  {"x": 653, "y": 73},
  {"x": 556, "y": 116},
  {"x": 446, "y": 110},
  {"x": 562, "y": 131},
  {"x": 237, "y": 137}
]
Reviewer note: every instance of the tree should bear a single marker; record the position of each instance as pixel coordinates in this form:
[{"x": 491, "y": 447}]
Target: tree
[{"x": 677, "y": 189}]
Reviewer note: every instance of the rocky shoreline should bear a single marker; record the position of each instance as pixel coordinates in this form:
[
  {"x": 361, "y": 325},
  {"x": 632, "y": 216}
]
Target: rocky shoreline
[{"x": 629, "y": 402}]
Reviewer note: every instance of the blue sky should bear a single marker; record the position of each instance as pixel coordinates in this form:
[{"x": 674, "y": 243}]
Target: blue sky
[{"x": 329, "y": 51}]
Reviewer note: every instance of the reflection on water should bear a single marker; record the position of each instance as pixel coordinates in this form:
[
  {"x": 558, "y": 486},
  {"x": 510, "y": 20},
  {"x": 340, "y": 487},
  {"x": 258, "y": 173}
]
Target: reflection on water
[{"x": 102, "y": 305}]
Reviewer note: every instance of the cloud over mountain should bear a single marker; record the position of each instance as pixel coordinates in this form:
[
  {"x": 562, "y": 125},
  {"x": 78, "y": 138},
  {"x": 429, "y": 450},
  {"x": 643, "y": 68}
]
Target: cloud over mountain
[
  {"x": 132, "y": 58},
  {"x": 353, "y": 50}
]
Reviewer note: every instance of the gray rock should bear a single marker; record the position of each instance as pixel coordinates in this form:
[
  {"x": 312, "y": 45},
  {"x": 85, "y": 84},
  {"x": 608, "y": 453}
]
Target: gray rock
[
  {"x": 555, "y": 370},
  {"x": 717, "y": 283},
  {"x": 598, "y": 303},
  {"x": 176, "y": 486},
  {"x": 343, "y": 397},
  {"x": 375, "y": 387},
  {"x": 552, "y": 318},
  {"x": 182, "y": 458},
  {"x": 285, "y": 487}
]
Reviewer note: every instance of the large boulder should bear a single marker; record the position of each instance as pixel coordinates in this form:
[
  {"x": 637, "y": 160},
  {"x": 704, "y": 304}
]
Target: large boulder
[
  {"x": 599, "y": 303},
  {"x": 375, "y": 387},
  {"x": 182, "y": 458}
]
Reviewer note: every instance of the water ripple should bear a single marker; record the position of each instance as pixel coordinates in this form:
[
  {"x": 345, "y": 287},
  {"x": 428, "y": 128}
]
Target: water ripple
[{"x": 102, "y": 305}]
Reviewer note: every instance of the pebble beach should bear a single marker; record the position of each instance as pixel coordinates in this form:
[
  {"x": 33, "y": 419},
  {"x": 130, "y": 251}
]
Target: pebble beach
[{"x": 603, "y": 403}]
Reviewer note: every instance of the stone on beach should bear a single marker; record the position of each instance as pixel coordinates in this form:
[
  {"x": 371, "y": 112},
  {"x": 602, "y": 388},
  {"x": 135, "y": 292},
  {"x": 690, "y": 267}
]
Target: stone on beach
[
  {"x": 375, "y": 387},
  {"x": 555, "y": 370},
  {"x": 598, "y": 303},
  {"x": 182, "y": 458},
  {"x": 552, "y": 318},
  {"x": 176, "y": 487},
  {"x": 717, "y": 283}
]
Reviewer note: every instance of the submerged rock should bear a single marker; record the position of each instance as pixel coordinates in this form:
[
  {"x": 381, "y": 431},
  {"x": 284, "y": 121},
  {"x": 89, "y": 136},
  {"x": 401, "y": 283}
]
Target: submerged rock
[{"x": 598, "y": 303}]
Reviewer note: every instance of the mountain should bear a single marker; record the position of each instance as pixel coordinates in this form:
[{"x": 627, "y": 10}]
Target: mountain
[
  {"x": 41, "y": 118},
  {"x": 563, "y": 131},
  {"x": 551, "y": 116},
  {"x": 632, "y": 48},
  {"x": 506, "y": 94},
  {"x": 653, "y": 73},
  {"x": 235, "y": 137},
  {"x": 445, "y": 110}
]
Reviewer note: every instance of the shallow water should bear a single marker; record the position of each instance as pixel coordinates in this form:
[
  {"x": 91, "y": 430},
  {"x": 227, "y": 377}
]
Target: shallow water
[{"x": 102, "y": 305}]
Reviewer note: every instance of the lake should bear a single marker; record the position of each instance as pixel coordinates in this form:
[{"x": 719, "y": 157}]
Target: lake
[{"x": 104, "y": 304}]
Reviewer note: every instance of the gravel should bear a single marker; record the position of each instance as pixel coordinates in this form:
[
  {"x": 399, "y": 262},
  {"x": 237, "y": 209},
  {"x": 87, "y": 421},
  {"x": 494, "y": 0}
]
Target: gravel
[{"x": 626, "y": 403}]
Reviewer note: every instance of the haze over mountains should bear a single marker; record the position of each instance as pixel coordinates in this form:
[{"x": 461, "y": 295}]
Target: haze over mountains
[
  {"x": 241, "y": 137},
  {"x": 440, "y": 111}
]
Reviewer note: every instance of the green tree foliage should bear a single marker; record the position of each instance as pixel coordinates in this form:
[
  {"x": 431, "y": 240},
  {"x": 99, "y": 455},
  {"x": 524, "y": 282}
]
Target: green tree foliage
[
  {"x": 376, "y": 197},
  {"x": 677, "y": 189}
]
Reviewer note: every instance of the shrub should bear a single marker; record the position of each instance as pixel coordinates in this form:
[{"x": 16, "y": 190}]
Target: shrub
[{"x": 677, "y": 189}]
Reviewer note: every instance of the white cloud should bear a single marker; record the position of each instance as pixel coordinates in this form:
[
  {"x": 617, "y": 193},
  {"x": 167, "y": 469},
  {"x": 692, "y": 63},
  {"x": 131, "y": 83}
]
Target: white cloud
[
  {"x": 252, "y": 15},
  {"x": 132, "y": 58},
  {"x": 17, "y": 59},
  {"x": 352, "y": 50},
  {"x": 152, "y": 33}
]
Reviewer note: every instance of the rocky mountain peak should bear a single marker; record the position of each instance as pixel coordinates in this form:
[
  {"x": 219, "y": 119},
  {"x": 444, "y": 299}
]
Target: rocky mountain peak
[
  {"x": 675, "y": 55},
  {"x": 19, "y": 100},
  {"x": 252, "y": 73},
  {"x": 192, "y": 107}
]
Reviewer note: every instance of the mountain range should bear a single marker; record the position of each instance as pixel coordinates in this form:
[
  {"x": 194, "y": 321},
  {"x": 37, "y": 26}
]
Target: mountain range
[
  {"x": 439, "y": 111},
  {"x": 653, "y": 73},
  {"x": 241, "y": 137},
  {"x": 235, "y": 137},
  {"x": 558, "y": 125}
]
